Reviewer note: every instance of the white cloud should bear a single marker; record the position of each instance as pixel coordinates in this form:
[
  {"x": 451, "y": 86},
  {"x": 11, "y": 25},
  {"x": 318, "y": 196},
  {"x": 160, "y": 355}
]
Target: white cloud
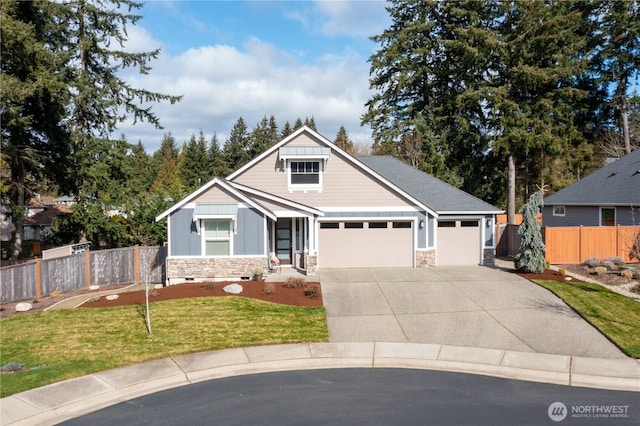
[
  {"x": 352, "y": 18},
  {"x": 221, "y": 83}
]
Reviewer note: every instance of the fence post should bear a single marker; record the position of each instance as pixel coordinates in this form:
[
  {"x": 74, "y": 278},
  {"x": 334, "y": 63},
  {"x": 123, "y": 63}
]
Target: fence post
[
  {"x": 87, "y": 268},
  {"x": 38, "y": 279},
  {"x": 136, "y": 264}
]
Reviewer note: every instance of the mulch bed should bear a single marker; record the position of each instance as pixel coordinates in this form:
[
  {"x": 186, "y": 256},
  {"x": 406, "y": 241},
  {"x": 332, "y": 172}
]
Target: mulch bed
[
  {"x": 253, "y": 289},
  {"x": 548, "y": 274}
]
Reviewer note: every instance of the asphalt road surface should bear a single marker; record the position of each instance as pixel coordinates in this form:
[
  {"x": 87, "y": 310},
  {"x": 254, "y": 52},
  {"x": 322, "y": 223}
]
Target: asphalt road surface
[{"x": 371, "y": 397}]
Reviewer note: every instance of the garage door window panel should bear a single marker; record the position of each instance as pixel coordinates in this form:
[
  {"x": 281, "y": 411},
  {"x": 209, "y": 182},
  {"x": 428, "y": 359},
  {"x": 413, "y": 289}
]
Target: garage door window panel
[
  {"x": 353, "y": 225},
  {"x": 401, "y": 225},
  {"x": 378, "y": 225},
  {"x": 469, "y": 224}
]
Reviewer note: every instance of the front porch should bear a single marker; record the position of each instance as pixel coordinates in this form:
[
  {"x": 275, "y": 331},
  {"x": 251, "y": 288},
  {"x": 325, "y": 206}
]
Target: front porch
[{"x": 292, "y": 240}]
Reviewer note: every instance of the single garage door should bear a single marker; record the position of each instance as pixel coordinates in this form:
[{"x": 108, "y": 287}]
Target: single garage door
[
  {"x": 458, "y": 242},
  {"x": 365, "y": 244}
]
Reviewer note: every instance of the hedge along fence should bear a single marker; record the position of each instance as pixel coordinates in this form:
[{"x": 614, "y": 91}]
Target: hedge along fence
[
  {"x": 105, "y": 267},
  {"x": 575, "y": 244}
]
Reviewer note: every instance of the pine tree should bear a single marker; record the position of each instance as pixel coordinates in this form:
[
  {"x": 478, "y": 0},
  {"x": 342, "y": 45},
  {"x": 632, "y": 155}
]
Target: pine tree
[
  {"x": 343, "y": 142},
  {"x": 100, "y": 97},
  {"x": 531, "y": 259},
  {"x": 217, "y": 163},
  {"x": 286, "y": 130},
  {"x": 237, "y": 150},
  {"x": 34, "y": 140},
  {"x": 297, "y": 124},
  {"x": 167, "y": 181},
  {"x": 193, "y": 163},
  {"x": 310, "y": 123},
  {"x": 263, "y": 136}
]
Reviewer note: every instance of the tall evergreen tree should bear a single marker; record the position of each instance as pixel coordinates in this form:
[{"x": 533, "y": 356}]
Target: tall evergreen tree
[
  {"x": 32, "y": 108},
  {"x": 237, "y": 149},
  {"x": 498, "y": 79},
  {"x": 310, "y": 123},
  {"x": 263, "y": 136},
  {"x": 343, "y": 142},
  {"x": 217, "y": 163},
  {"x": 615, "y": 60},
  {"x": 286, "y": 130},
  {"x": 297, "y": 124},
  {"x": 193, "y": 163},
  {"x": 100, "y": 97},
  {"x": 167, "y": 181}
]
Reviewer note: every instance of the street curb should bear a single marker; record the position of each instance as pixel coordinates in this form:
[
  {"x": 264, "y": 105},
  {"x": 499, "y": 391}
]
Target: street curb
[{"x": 65, "y": 400}]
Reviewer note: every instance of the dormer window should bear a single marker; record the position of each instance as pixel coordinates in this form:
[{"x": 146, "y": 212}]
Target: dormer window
[
  {"x": 304, "y": 166},
  {"x": 305, "y": 172}
]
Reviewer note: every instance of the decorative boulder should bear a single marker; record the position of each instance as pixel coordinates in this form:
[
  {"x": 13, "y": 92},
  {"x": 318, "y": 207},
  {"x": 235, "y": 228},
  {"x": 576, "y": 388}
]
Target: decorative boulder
[
  {"x": 600, "y": 270},
  {"x": 112, "y": 297},
  {"x": 158, "y": 286},
  {"x": 626, "y": 274},
  {"x": 24, "y": 307},
  {"x": 233, "y": 288},
  {"x": 94, "y": 287}
]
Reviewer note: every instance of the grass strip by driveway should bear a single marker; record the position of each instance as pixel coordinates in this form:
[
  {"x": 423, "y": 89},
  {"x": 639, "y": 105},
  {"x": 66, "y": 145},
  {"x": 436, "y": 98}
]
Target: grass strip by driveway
[
  {"x": 76, "y": 342},
  {"x": 614, "y": 315}
]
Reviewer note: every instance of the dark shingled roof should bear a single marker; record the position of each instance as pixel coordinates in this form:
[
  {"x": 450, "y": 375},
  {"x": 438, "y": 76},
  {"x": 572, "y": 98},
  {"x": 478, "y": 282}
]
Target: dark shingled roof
[
  {"x": 617, "y": 184},
  {"x": 432, "y": 192}
]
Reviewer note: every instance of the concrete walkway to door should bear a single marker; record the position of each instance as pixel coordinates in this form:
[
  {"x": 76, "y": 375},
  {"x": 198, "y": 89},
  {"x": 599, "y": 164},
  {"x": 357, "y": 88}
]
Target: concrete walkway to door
[{"x": 463, "y": 305}]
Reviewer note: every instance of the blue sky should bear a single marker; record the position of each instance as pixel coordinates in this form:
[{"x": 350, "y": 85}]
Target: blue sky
[{"x": 254, "y": 58}]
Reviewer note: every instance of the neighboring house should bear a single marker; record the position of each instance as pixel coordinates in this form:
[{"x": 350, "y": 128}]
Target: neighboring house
[
  {"x": 37, "y": 225},
  {"x": 316, "y": 206},
  {"x": 67, "y": 200},
  {"x": 607, "y": 197}
]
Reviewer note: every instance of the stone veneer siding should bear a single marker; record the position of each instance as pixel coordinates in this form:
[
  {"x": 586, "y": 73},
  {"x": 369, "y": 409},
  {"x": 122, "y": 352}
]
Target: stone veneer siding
[
  {"x": 425, "y": 258},
  {"x": 311, "y": 263},
  {"x": 489, "y": 257},
  {"x": 219, "y": 267}
]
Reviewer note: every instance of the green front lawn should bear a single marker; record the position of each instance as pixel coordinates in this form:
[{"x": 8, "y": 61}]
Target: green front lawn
[
  {"x": 76, "y": 342},
  {"x": 616, "y": 316}
]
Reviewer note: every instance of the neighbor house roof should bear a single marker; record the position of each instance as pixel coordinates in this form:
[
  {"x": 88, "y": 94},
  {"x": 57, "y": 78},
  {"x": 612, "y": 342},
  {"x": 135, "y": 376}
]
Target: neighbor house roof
[
  {"x": 438, "y": 195},
  {"x": 617, "y": 184}
]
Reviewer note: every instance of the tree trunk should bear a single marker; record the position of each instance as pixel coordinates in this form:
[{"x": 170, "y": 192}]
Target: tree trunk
[
  {"x": 17, "y": 215},
  {"x": 624, "y": 117},
  {"x": 511, "y": 192}
]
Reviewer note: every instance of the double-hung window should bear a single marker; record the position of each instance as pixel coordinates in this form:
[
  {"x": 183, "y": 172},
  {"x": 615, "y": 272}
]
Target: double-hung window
[
  {"x": 305, "y": 172},
  {"x": 217, "y": 237}
]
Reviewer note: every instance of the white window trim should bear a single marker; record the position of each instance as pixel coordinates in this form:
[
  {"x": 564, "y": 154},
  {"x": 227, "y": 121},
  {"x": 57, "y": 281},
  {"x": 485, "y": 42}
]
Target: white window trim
[
  {"x": 615, "y": 215},
  {"x": 557, "y": 214},
  {"x": 203, "y": 239},
  {"x": 306, "y": 187}
]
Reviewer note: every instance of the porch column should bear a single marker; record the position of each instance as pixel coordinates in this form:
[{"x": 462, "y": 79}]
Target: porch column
[{"x": 312, "y": 236}]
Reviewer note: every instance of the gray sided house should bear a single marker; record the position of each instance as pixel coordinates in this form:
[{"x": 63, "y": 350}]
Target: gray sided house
[
  {"x": 314, "y": 206},
  {"x": 607, "y": 197}
]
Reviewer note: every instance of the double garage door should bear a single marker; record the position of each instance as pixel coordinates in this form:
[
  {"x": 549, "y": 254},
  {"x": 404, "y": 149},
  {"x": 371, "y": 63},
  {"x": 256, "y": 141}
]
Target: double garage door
[{"x": 366, "y": 244}]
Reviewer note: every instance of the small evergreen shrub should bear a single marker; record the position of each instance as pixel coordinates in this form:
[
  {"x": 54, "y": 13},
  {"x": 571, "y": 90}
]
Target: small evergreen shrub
[
  {"x": 592, "y": 262},
  {"x": 609, "y": 265},
  {"x": 531, "y": 259},
  {"x": 617, "y": 260},
  {"x": 562, "y": 271}
]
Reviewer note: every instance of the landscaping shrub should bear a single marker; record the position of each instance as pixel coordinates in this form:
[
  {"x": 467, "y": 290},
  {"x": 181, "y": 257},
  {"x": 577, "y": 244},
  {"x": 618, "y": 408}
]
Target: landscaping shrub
[
  {"x": 610, "y": 265},
  {"x": 312, "y": 291},
  {"x": 592, "y": 262},
  {"x": 269, "y": 288},
  {"x": 294, "y": 282},
  {"x": 617, "y": 260}
]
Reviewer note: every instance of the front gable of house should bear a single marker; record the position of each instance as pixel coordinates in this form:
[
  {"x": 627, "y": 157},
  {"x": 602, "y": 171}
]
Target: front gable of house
[{"x": 308, "y": 169}]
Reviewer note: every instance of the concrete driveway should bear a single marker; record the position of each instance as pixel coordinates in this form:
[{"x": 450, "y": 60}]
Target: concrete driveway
[{"x": 464, "y": 306}]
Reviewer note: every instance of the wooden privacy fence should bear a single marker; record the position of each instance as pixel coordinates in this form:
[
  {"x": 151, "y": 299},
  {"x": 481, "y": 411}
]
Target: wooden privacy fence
[
  {"x": 575, "y": 244},
  {"x": 64, "y": 274}
]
